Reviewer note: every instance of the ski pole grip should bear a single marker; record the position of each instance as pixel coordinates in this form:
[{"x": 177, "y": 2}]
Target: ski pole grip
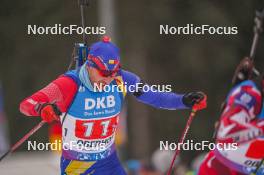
[{"x": 201, "y": 105}]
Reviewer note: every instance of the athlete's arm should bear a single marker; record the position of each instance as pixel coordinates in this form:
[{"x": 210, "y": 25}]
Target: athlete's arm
[
  {"x": 60, "y": 91},
  {"x": 238, "y": 120},
  {"x": 165, "y": 100}
]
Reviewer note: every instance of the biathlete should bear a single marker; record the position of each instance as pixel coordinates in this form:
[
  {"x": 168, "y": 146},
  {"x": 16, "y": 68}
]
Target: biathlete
[
  {"x": 241, "y": 122},
  {"x": 90, "y": 116}
]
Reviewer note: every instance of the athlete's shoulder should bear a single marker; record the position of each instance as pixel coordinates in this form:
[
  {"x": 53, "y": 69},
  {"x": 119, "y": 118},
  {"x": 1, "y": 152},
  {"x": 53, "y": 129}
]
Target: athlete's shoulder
[
  {"x": 245, "y": 94},
  {"x": 248, "y": 83},
  {"x": 67, "y": 81},
  {"x": 72, "y": 74},
  {"x": 247, "y": 86}
]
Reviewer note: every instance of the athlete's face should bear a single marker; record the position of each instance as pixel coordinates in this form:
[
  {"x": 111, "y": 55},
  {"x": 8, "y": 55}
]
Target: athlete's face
[{"x": 97, "y": 77}]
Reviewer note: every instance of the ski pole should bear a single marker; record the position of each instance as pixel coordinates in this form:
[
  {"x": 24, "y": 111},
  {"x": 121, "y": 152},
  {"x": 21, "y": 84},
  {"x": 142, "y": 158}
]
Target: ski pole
[
  {"x": 195, "y": 108},
  {"x": 186, "y": 129},
  {"x": 257, "y": 31},
  {"x": 23, "y": 139},
  {"x": 83, "y": 3},
  {"x": 80, "y": 50}
]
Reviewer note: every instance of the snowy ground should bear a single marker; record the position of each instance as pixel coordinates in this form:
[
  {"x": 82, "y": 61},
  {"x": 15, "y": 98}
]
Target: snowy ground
[{"x": 31, "y": 163}]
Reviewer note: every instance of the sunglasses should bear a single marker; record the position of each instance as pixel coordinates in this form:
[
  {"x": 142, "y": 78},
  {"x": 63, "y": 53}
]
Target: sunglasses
[
  {"x": 102, "y": 67},
  {"x": 107, "y": 73}
]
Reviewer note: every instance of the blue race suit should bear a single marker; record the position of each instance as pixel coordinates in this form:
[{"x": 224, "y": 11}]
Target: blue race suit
[{"x": 88, "y": 127}]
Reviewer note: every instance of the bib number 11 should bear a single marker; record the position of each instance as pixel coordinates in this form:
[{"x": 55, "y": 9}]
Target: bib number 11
[
  {"x": 95, "y": 129},
  {"x": 89, "y": 128}
]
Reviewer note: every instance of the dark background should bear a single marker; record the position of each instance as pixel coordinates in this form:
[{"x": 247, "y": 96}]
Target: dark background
[{"x": 188, "y": 62}]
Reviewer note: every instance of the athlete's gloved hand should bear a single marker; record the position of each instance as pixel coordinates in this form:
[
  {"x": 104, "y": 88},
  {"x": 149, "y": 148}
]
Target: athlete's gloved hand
[
  {"x": 49, "y": 112},
  {"x": 192, "y": 98},
  {"x": 244, "y": 71}
]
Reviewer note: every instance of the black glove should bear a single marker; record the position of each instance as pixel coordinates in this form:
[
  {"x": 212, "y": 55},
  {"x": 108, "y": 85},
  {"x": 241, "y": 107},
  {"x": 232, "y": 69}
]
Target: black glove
[
  {"x": 191, "y": 98},
  {"x": 244, "y": 71}
]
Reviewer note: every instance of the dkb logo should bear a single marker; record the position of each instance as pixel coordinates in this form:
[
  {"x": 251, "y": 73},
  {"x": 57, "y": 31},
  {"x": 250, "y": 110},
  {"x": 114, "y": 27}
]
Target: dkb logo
[{"x": 100, "y": 102}]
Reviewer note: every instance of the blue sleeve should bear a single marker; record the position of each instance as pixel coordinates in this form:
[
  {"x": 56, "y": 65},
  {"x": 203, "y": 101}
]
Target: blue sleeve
[{"x": 164, "y": 100}]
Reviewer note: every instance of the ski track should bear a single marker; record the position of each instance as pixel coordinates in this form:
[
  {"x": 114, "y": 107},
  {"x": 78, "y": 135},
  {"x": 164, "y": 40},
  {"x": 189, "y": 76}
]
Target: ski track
[{"x": 31, "y": 163}]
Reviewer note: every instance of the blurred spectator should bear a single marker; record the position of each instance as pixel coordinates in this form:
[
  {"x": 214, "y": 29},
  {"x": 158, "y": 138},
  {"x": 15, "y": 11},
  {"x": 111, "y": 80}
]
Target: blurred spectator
[
  {"x": 162, "y": 159},
  {"x": 133, "y": 167},
  {"x": 197, "y": 161}
]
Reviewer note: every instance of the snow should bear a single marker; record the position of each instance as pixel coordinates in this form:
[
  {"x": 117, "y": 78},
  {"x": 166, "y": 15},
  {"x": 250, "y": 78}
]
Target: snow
[{"x": 31, "y": 163}]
